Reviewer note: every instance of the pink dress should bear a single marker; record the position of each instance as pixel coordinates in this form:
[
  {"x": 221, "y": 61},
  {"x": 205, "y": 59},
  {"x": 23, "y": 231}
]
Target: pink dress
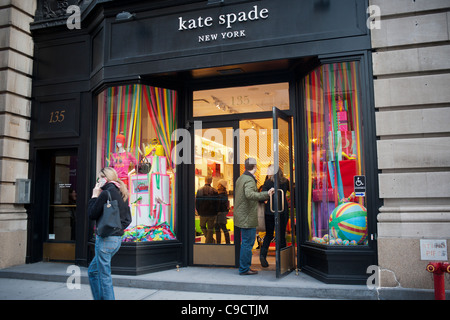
[{"x": 121, "y": 162}]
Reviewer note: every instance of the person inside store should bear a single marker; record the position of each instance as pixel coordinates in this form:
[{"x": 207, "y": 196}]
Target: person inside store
[
  {"x": 246, "y": 215},
  {"x": 224, "y": 207},
  {"x": 99, "y": 270},
  {"x": 207, "y": 206},
  {"x": 269, "y": 216}
]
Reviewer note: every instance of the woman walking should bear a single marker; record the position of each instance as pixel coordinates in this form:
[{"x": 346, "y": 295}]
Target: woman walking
[{"x": 99, "y": 270}]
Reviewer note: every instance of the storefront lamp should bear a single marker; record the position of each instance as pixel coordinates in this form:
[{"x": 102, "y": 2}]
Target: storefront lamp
[{"x": 125, "y": 15}]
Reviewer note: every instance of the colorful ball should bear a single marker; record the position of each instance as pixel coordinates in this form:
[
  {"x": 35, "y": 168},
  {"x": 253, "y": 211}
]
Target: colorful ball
[
  {"x": 345, "y": 242},
  {"x": 349, "y": 222},
  {"x": 339, "y": 241}
]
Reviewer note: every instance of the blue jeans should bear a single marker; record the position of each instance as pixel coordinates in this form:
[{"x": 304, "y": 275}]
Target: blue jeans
[
  {"x": 99, "y": 270},
  {"x": 248, "y": 236}
]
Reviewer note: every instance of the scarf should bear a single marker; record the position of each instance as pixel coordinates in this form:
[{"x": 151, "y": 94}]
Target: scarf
[{"x": 116, "y": 184}]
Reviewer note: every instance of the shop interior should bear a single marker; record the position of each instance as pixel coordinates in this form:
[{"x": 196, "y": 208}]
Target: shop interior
[{"x": 214, "y": 156}]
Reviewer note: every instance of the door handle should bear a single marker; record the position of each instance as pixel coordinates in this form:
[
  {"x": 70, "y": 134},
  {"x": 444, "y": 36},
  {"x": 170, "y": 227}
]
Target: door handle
[{"x": 282, "y": 202}]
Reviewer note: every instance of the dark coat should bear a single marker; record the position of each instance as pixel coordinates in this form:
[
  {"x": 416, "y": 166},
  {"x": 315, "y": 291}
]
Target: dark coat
[
  {"x": 207, "y": 201},
  {"x": 95, "y": 206},
  {"x": 284, "y": 186}
]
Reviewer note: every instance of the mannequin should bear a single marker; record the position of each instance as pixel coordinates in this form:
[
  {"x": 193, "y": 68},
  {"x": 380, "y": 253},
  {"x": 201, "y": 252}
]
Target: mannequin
[{"x": 121, "y": 160}]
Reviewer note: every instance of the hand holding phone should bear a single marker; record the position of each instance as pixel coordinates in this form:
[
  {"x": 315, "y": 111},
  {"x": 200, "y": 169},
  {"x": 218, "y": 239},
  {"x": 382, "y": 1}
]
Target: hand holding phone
[{"x": 98, "y": 187}]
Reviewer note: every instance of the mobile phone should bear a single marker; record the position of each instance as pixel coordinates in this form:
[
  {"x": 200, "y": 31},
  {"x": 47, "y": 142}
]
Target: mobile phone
[{"x": 102, "y": 182}]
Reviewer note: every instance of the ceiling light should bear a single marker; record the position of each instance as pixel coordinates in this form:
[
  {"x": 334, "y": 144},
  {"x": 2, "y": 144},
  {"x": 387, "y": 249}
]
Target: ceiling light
[{"x": 125, "y": 15}]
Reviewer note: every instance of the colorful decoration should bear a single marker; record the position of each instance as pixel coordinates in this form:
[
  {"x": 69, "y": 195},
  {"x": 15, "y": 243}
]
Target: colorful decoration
[
  {"x": 121, "y": 113},
  {"x": 120, "y": 119},
  {"x": 349, "y": 222},
  {"x": 334, "y": 141},
  {"x": 162, "y": 107},
  {"x": 143, "y": 233}
]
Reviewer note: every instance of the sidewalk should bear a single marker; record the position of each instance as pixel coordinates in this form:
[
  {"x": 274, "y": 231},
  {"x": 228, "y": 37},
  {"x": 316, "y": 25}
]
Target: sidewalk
[{"x": 47, "y": 281}]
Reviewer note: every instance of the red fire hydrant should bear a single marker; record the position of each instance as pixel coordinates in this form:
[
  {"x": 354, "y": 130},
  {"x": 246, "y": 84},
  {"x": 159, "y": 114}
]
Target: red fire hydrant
[{"x": 438, "y": 269}]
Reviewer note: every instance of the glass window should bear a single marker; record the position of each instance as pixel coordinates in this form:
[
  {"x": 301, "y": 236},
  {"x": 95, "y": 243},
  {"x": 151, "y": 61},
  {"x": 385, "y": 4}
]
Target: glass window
[
  {"x": 214, "y": 186},
  {"x": 336, "y": 215},
  {"x": 257, "y": 98},
  {"x": 62, "y": 221},
  {"x": 135, "y": 124}
]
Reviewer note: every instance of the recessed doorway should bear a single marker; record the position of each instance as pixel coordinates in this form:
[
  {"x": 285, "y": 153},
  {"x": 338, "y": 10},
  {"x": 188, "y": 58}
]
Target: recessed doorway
[
  {"x": 61, "y": 211},
  {"x": 220, "y": 150}
]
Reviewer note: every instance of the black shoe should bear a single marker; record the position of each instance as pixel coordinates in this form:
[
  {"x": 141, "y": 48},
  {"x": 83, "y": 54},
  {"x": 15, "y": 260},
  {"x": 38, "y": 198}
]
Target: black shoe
[
  {"x": 263, "y": 261},
  {"x": 249, "y": 272}
]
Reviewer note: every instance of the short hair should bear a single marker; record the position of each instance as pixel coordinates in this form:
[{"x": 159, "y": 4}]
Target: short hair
[
  {"x": 208, "y": 180},
  {"x": 250, "y": 163}
]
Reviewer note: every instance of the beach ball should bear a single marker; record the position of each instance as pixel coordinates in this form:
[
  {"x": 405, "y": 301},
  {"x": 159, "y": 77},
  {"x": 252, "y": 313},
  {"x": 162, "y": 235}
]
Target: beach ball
[{"x": 349, "y": 222}]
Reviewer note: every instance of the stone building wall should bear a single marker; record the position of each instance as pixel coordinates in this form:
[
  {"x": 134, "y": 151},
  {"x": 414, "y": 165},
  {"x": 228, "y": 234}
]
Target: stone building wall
[
  {"x": 16, "y": 64},
  {"x": 411, "y": 66}
]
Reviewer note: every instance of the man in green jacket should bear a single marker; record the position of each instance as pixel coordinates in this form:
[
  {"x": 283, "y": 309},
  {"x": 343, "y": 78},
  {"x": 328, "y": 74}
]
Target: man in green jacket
[{"x": 246, "y": 213}]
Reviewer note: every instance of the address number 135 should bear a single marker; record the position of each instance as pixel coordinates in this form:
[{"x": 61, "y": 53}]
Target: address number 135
[{"x": 57, "y": 116}]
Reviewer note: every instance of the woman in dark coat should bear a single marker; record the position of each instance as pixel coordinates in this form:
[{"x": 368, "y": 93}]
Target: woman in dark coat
[{"x": 269, "y": 216}]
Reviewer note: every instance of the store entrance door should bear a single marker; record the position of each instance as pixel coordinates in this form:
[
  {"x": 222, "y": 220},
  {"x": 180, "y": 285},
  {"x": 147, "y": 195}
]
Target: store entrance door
[
  {"x": 281, "y": 202},
  {"x": 59, "y": 238},
  {"x": 216, "y": 170}
]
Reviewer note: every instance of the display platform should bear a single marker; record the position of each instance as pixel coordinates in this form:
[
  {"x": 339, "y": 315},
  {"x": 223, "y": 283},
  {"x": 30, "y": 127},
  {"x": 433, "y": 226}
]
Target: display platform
[{"x": 136, "y": 258}]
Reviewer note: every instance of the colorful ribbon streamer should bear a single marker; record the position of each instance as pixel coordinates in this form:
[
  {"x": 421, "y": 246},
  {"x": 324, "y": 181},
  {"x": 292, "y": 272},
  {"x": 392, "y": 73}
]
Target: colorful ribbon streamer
[
  {"x": 324, "y": 88},
  {"x": 162, "y": 107}
]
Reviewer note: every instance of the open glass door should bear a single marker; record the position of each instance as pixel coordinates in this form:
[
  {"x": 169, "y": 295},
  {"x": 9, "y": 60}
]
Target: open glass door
[
  {"x": 281, "y": 204},
  {"x": 215, "y": 172}
]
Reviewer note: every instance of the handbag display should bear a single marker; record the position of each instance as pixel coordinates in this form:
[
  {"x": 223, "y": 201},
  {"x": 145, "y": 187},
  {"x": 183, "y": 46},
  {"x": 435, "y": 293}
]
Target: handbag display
[
  {"x": 109, "y": 222},
  {"x": 144, "y": 166}
]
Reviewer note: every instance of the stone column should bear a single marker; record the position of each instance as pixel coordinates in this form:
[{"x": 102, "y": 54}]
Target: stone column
[
  {"x": 16, "y": 66},
  {"x": 411, "y": 65}
]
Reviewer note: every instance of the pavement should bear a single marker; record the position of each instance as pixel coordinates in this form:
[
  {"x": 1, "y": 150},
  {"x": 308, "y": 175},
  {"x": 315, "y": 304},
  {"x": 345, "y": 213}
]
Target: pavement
[{"x": 54, "y": 281}]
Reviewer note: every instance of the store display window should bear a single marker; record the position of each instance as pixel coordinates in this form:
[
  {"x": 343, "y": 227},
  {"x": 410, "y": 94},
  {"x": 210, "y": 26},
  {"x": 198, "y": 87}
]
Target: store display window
[
  {"x": 336, "y": 214},
  {"x": 135, "y": 125}
]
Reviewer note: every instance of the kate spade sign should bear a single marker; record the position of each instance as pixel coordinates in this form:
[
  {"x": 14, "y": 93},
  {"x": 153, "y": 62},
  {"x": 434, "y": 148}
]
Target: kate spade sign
[{"x": 228, "y": 20}]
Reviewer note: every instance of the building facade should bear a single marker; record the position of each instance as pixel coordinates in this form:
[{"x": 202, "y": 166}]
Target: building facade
[
  {"x": 359, "y": 90},
  {"x": 410, "y": 63},
  {"x": 16, "y": 69}
]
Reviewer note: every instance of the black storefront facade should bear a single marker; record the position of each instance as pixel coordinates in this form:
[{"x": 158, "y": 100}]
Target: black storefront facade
[{"x": 194, "y": 47}]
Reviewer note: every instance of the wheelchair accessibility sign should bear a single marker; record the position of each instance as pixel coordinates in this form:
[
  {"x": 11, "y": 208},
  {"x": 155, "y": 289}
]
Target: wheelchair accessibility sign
[{"x": 360, "y": 186}]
